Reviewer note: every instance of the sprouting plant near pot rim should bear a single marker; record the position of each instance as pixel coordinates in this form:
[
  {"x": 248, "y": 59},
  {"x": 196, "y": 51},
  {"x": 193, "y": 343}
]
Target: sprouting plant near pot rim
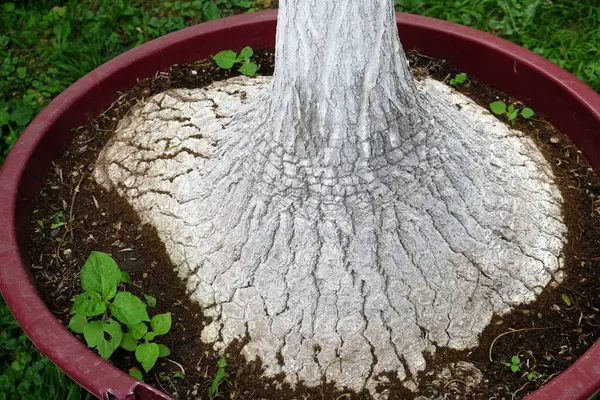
[
  {"x": 101, "y": 310},
  {"x": 458, "y": 79},
  {"x": 219, "y": 377},
  {"x": 511, "y": 111},
  {"x": 226, "y": 59}
]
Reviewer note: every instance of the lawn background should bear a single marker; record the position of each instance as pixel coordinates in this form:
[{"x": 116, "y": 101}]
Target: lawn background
[{"x": 47, "y": 45}]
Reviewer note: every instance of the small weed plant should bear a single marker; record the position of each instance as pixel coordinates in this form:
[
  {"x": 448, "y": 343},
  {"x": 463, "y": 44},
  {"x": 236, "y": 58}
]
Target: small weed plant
[
  {"x": 102, "y": 310},
  {"x": 219, "y": 377},
  {"x": 514, "y": 364},
  {"x": 227, "y": 59},
  {"x": 458, "y": 79},
  {"x": 511, "y": 111}
]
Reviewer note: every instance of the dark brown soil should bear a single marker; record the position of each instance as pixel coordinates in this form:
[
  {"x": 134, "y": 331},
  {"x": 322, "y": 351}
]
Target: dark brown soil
[{"x": 547, "y": 335}]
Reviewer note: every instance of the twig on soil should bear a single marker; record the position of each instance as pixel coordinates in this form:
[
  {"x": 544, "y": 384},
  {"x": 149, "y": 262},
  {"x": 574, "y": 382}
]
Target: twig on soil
[
  {"x": 518, "y": 390},
  {"x": 176, "y": 363},
  {"x": 71, "y": 216},
  {"x": 514, "y": 331},
  {"x": 161, "y": 386}
]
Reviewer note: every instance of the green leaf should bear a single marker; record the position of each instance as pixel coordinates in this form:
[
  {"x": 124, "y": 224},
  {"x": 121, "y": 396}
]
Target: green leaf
[
  {"x": 211, "y": 11},
  {"x": 137, "y": 374},
  {"x": 4, "y": 117},
  {"x": 498, "y": 107},
  {"x": 225, "y": 59},
  {"x": 77, "y": 323},
  {"x": 249, "y": 69},
  {"x": 458, "y": 79},
  {"x": 147, "y": 354},
  {"x": 512, "y": 115},
  {"x": 527, "y": 112},
  {"x": 246, "y": 52},
  {"x": 88, "y": 304},
  {"x": 150, "y": 336},
  {"x": 515, "y": 360},
  {"x": 125, "y": 278},
  {"x": 101, "y": 274},
  {"x": 511, "y": 108},
  {"x": 128, "y": 342},
  {"x": 129, "y": 309},
  {"x": 515, "y": 368},
  {"x": 138, "y": 331},
  {"x": 163, "y": 351},
  {"x": 151, "y": 300},
  {"x": 95, "y": 336},
  {"x": 161, "y": 323},
  {"x": 222, "y": 363},
  {"x": 566, "y": 299},
  {"x": 9, "y": 7},
  {"x": 21, "y": 115}
]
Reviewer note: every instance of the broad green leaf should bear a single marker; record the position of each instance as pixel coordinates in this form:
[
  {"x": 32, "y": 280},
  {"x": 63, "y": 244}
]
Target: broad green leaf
[
  {"x": 139, "y": 330},
  {"x": 222, "y": 363},
  {"x": 77, "y": 323},
  {"x": 248, "y": 69},
  {"x": 128, "y": 342},
  {"x": 163, "y": 351},
  {"x": 151, "y": 300},
  {"x": 147, "y": 354},
  {"x": 150, "y": 336},
  {"x": 88, "y": 304},
  {"x": 498, "y": 107},
  {"x": 9, "y": 7},
  {"x": 129, "y": 309},
  {"x": 125, "y": 278},
  {"x": 515, "y": 359},
  {"x": 527, "y": 112},
  {"x": 512, "y": 115},
  {"x": 95, "y": 334},
  {"x": 21, "y": 115},
  {"x": 211, "y": 11},
  {"x": 107, "y": 347},
  {"x": 511, "y": 108},
  {"x": 101, "y": 274},
  {"x": 225, "y": 59},
  {"x": 137, "y": 374},
  {"x": 246, "y": 52},
  {"x": 161, "y": 323}
]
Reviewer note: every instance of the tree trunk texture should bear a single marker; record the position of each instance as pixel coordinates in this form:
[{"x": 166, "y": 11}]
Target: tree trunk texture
[{"x": 346, "y": 218}]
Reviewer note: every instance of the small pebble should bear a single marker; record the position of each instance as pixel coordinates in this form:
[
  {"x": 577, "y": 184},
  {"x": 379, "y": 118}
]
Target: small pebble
[
  {"x": 194, "y": 73},
  {"x": 554, "y": 139},
  {"x": 145, "y": 275}
]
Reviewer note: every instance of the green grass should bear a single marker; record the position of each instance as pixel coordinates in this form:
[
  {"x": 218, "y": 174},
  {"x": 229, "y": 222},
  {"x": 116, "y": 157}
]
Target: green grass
[
  {"x": 47, "y": 45},
  {"x": 563, "y": 31},
  {"x": 24, "y": 373}
]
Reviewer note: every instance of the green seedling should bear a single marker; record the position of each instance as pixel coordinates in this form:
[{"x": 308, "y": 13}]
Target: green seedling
[
  {"x": 102, "y": 312},
  {"x": 511, "y": 111},
  {"x": 514, "y": 364},
  {"x": 458, "y": 79},
  {"x": 219, "y": 377},
  {"x": 58, "y": 220},
  {"x": 226, "y": 59}
]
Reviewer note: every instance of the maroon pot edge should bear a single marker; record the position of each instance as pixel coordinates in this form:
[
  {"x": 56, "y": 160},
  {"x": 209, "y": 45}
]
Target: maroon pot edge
[{"x": 508, "y": 67}]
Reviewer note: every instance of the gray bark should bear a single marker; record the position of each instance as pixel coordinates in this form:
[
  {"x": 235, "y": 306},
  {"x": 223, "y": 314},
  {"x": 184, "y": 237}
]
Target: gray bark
[{"x": 345, "y": 218}]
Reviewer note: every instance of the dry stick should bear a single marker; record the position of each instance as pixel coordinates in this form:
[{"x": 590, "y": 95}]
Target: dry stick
[
  {"x": 176, "y": 363},
  {"x": 514, "y": 331},
  {"x": 71, "y": 217}
]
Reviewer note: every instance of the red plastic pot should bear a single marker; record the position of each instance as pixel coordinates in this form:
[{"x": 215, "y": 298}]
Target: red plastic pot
[{"x": 560, "y": 97}]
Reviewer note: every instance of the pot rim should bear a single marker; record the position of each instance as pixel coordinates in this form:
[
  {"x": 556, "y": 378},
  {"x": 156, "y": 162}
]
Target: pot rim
[{"x": 503, "y": 64}]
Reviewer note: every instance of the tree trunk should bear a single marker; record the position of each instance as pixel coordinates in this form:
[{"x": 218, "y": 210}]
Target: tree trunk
[{"x": 346, "y": 218}]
